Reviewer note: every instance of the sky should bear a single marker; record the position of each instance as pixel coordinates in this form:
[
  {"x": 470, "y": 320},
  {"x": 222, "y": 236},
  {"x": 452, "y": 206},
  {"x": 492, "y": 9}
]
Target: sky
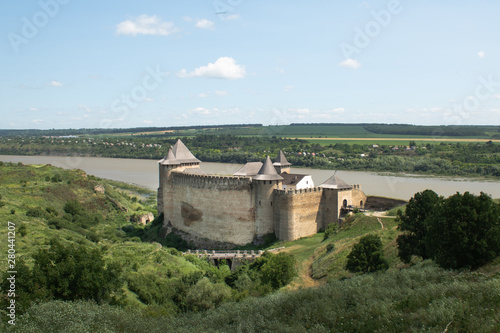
[{"x": 152, "y": 63}]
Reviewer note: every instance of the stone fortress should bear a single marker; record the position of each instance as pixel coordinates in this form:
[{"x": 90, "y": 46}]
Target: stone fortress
[{"x": 259, "y": 199}]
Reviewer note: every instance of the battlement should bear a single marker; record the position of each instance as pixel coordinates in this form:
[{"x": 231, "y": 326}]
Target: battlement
[
  {"x": 207, "y": 180},
  {"x": 300, "y": 191}
]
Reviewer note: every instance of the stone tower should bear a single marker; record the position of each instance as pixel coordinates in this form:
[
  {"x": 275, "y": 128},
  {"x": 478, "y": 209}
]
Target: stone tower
[
  {"x": 337, "y": 196},
  {"x": 178, "y": 158},
  {"x": 281, "y": 164},
  {"x": 265, "y": 182}
]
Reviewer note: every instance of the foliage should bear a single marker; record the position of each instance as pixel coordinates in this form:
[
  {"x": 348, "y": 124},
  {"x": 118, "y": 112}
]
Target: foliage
[
  {"x": 330, "y": 230},
  {"x": 268, "y": 272},
  {"x": 462, "y": 231},
  {"x": 423, "y": 298},
  {"x": 75, "y": 272},
  {"x": 420, "y": 211},
  {"x": 366, "y": 256}
]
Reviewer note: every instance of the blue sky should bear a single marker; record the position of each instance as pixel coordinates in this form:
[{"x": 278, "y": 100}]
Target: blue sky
[{"x": 89, "y": 64}]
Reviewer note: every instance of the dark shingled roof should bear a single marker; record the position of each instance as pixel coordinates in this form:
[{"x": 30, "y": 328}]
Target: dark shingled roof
[
  {"x": 169, "y": 159},
  {"x": 267, "y": 172},
  {"x": 291, "y": 179},
  {"x": 336, "y": 183},
  {"x": 249, "y": 169},
  {"x": 179, "y": 154},
  {"x": 281, "y": 160}
]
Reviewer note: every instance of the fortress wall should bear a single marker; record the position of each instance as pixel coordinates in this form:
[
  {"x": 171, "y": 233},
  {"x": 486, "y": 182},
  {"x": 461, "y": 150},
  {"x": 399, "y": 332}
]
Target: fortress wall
[
  {"x": 213, "y": 207},
  {"x": 299, "y": 212},
  {"x": 358, "y": 197}
]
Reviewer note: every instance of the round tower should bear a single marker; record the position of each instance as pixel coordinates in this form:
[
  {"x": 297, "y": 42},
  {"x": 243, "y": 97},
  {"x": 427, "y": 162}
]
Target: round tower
[
  {"x": 178, "y": 158},
  {"x": 265, "y": 182}
]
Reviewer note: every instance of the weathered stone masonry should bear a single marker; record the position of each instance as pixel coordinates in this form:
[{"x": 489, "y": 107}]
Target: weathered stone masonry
[{"x": 239, "y": 209}]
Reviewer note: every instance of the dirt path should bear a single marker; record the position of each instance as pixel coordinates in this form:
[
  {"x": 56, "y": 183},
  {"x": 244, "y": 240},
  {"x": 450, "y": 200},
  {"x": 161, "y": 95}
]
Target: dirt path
[
  {"x": 304, "y": 277},
  {"x": 380, "y": 221}
]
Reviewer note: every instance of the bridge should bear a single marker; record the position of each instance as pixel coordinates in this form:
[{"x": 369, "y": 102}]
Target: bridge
[{"x": 232, "y": 258}]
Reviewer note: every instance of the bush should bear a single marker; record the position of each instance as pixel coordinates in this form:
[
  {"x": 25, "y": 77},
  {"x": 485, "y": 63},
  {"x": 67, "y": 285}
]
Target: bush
[
  {"x": 56, "y": 178},
  {"x": 23, "y": 230},
  {"x": 366, "y": 256},
  {"x": 35, "y": 212},
  {"x": 330, "y": 230},
  {"x": 13, "y": 211},
  {"x": 330, "y": 247},
  {"x": 73, "y": 207}
]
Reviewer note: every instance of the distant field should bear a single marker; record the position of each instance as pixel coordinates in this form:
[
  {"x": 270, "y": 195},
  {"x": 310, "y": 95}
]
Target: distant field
[{"x": 390, "y": 141}]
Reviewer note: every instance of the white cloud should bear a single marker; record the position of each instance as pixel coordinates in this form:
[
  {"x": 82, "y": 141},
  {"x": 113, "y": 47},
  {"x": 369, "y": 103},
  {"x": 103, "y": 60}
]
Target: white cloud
[
  {"x": 221, "y": 93},
  {"x": 204, "y": 95},
  {"x": 202, "y": 111},
  {"x": 188, "y": 19},
  {"x": 481, "y": 54},
  {"x": 223, "y": 68},
  {"x": 149, "y": 100},
  {"x": 36, "y": 121},
  {"x": 337, "y": 110},
  {"x": 33, "y": 109},
  {"x": 496, "y": 96},
  {"x": 205, "y": 24},
  {"x": 146, "y": 25},
  {"x": 350, "y": 63},
  {"x": 280, "y": 70},
  {"x": 495, "y": 110},
  {"x": 147, "y": 121},
  {"x": 288, "y": 88},
  {"x": 56, "y": 84}
]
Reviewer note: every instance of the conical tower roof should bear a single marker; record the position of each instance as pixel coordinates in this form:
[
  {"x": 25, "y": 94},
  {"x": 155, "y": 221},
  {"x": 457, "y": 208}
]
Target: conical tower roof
[
  {"x": 179, "y": 154},
  {"x": 267, "y": 172},
  {"x": 281, "y": 160},
  {"x": 334, "y": 182},
  {"x": 169, "y": 159}
]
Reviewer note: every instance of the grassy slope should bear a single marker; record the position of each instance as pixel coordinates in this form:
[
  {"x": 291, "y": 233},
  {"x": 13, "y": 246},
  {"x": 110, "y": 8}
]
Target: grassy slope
[{"x": 25, "y": 186}]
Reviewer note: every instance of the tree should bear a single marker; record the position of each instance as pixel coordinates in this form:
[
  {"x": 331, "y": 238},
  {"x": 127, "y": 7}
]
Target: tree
[
  {"x": 414, "y": 222},
  {"x": 462, "y": 231},
  {"x": 467, "y": 235},
  {"x": 71, "y": 272},
  {"x": 278, "y": 270},
  {"x": 366, "y": 256}
]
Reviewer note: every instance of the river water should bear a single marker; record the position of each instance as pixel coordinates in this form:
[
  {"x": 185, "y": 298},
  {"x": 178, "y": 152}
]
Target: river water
[{"x": 145, "y": 173}]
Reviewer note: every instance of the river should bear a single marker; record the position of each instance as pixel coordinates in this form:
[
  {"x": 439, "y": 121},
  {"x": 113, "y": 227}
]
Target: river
[{"x": 145, "y": 173}]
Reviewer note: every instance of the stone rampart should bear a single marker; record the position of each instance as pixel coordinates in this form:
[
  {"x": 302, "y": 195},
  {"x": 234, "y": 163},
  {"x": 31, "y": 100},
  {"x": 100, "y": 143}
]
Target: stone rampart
[
  {"x": 220, "y": 208},
  {"x": 298, "y": 213}
]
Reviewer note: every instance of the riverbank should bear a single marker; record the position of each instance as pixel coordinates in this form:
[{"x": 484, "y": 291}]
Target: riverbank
[{"x": 144, "y": 173}]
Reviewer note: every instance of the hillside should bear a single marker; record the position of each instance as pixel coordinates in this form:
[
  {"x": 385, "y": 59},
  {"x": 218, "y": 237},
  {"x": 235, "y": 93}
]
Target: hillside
[{"x": 163, "y": 291}]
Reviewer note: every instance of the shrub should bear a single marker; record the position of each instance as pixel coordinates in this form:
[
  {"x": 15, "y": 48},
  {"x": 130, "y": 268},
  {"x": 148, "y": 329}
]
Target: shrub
[
  {"x": 13, "y": 211},
  {"x": 56, "y": 178},
  {"x": 366, "y": 256},
  {"x": 330, "y": 247},
  {"x": 35, "y": 212},
  {"x": 330, "y": 230},
  {"x": 23, "y": 230}
]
